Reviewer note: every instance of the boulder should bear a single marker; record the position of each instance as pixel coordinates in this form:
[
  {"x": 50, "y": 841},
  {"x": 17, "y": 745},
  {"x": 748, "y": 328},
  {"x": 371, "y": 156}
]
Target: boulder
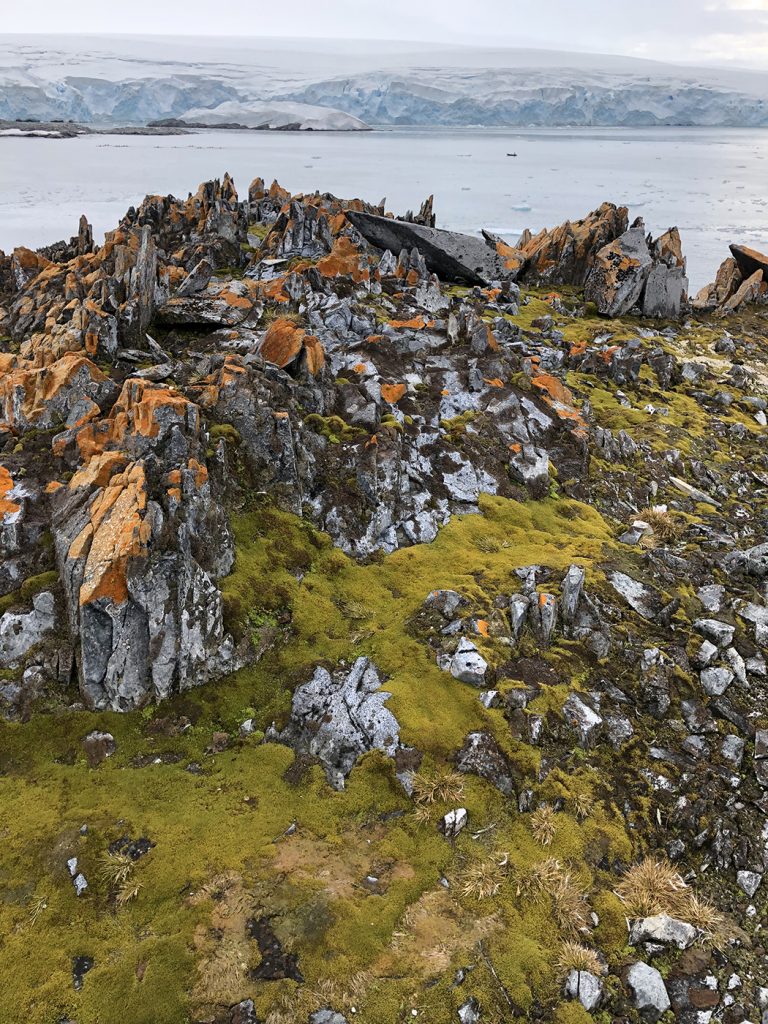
[
  {"x": 749, "y": 261},
  {"x": 468, "y": 665},
  {"x": 725, "y": 285},
  {"x": 619, "y": 274},
  {"x": 566, "y": 254},
  {"x": 752, "y": 290},
  {"x": 449, "y": 254},
  {"x": 481, "y": 755},
  {"x": 663, "y": 929},
  {"x": 338, "y": 718},
  {"x": 21, "y": 632}
]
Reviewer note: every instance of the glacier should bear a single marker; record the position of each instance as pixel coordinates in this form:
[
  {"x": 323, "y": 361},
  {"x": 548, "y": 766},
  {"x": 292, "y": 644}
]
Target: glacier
[{"x": 332, "y": 85}]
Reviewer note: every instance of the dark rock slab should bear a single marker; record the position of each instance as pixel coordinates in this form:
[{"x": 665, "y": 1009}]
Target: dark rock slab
[
  {"x": 449, "y": 254},
  {"x": 749, "y": 261}
]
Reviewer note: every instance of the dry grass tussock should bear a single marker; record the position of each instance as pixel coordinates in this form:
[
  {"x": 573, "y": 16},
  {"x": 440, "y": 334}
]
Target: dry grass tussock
[
  {"x": 437, "y": 787},
  {"x": 116, "y": 870},
  {"x": 549, "y": 880},
  {"x": 484, "y": 879},
  {"x": 663, "y": 523},
  {"x": 341, "y": 994},
  {"x": 575, "y": 957},
  {"x": 543, "y": 825},
  {"x": 653, "y": 886}
]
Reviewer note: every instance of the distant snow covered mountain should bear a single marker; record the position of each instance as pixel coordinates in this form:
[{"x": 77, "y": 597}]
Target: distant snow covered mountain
[{"x": 132, "y": 80}]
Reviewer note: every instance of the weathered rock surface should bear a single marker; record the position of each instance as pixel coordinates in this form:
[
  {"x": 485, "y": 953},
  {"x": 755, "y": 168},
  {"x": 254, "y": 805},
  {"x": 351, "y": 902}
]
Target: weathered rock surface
[
  {"x": 337, "y": 718},
  {"x": 634, "y": 270},
  {"x": 449, "y": 254}
]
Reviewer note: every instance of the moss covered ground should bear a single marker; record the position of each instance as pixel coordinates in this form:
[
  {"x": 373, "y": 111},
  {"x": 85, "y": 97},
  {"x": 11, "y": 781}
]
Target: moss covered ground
[{"x": 177, "y": 950}]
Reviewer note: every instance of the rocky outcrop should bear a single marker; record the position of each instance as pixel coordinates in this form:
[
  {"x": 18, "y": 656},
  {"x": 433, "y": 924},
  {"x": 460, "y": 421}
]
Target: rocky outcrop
[
  {"x": 742, "y": 280},
  {"x": 635, "y": 271},
  {"x": 341, "y": 716},
  {"x": 450, "y": 255}
]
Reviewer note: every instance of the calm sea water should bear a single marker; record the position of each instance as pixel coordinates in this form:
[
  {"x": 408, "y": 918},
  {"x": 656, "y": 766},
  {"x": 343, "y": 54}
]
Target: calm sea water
[{"x": 710, "y": 183}]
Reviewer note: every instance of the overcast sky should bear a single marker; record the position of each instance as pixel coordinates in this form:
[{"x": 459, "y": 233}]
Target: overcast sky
[{"x": 703, "y": 31}]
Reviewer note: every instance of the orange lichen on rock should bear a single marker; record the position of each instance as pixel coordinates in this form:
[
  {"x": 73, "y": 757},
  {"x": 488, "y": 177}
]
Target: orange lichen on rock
[
  {"x": 7, "y": 507},
  {"x": 493, "y": 382},
  {"x": 392, "y": 393},
  {"x": 418, "y": 323},
  {"x": 315, "y": 354},
  {"x": 99, "y": 470},
  {"x": 27, "y": 390},
  {"x": 117, "y": 532},
  {"x": 282, "y": 343},
  {"x": 514, "y": 259},
  {"x": 344, "y": 260},
  {"x": 560, "y": 400},
  {"x": 139, "y": 410}
]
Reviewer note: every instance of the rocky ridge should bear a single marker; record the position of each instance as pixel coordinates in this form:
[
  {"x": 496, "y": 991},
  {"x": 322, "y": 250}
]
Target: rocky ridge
[{"x": 346, "y": 525}]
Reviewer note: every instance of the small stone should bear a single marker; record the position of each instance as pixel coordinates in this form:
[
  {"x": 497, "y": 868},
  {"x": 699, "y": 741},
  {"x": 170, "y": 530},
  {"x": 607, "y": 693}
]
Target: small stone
[
  {"x": 720, "y": 633},
  {"x": 243, "y": 1013},
  {"x": 581, "y": 718},
  {"x": 715, "y": 681},
  {"x": 586, "y": 987},
  {"x": 732, "y": 749},
  {"x": 706, "y": 654},
  {"x": 663, "y": 929},
  {"x": 468, "y": 665},
  {"x": 80, "y": 883},
  {"x": 452, "y": 823},
  {"x": 327, "y": 1017},
  {"x": 761, "y": 744},
  {"x": 469, "y": 1012},
  {"x": 80, "y": 967},
  {"x": 711, "y": 597},
  {"x": 749, "y": 882},
  {"x": 649, "y": 993}
]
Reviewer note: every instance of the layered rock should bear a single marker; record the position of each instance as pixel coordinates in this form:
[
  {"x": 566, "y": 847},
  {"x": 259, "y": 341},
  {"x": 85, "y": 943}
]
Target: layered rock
[{"x": 635, "y": 271}]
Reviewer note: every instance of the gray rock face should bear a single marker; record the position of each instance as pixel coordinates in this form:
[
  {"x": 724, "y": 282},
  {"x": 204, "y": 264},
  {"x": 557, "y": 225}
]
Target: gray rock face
[
  {"x": 481, "y": 755},
  {"x": 339, "y": 717},
  {"x": 644, "y": 601},
  {"x": 571, "y": 591},
  {"x": 581, "y": 717},
  {"x": 753, "y": 561},
  {"x": 648, "y": 991},
  {"x": 664, "y": 291},
  {"x": 21, "y": 632},
  {"x": 449, "y": 254},
  {"x": 634, "y": 270},
  {"x": 619, "y": 274},
  {"x": 586, "y": 987},
  {"x": 663, "y": 929}
]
